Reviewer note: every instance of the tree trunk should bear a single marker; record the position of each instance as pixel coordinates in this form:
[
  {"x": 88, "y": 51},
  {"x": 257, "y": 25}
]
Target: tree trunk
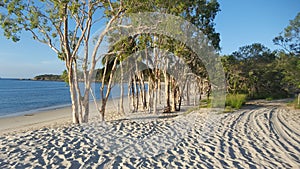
[
  {"x": 136, "y": 93},
  {"x": 122, "y": 90},
  {"x": 173, "y": 88},
  {"x": 132, "y": 94},
  {"x": 159, "y": 87},
  {"x": 75, "y": 117},
  {"x": 143, "y": 92},
  {"x": 150, "y": 90},
  {"x": 298, "y": 99},
  {"x": 103, "y": 109},
  {"x": 129, "y": 93},
  {"x": 167, "y": 91},
  {"x": 155, "y": 98}
]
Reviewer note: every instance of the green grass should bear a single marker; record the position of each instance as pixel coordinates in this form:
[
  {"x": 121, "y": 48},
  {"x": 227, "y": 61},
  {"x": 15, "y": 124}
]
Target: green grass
[
  {"x": 269, "y": 98},
  {"x": 205, "y": 103},
  {"x": 235, "y": 100}
]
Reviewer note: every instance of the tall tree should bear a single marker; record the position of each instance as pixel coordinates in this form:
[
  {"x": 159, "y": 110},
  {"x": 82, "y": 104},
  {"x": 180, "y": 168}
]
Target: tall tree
[
  {"x": 289, "y": 39},
  {"x": 252, "y": 70},
  {"x": 65, "y": 26}
]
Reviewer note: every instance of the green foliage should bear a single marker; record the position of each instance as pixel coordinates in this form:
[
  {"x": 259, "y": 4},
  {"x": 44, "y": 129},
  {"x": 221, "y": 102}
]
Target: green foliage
[
  {"x": 289, "y": 40},
  {"x": 205, "y": 103},
  {"x": 65, "y": 76},
  {"x": 235, "y": 100},
  {"x": 254, "y": 70},
  {"x": 201, "y": 13}
]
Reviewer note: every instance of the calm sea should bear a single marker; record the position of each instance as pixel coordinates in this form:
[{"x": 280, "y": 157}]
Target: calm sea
[{"x": 25, "y": 96}]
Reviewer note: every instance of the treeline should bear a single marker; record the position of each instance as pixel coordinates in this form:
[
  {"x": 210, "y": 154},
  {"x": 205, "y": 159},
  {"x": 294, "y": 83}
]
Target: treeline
[
  {"x": 260, "y": 73},
  {"x": 49, "y": 77}
]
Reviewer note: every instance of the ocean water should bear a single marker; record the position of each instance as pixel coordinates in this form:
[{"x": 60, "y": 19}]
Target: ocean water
[
  {"x": 23, "y": 96},
  {"x": 19, "y": 97}
]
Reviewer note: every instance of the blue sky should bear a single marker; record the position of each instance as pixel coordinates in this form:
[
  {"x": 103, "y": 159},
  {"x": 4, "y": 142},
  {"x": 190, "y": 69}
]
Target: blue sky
[{"x": 240, "y": 22}]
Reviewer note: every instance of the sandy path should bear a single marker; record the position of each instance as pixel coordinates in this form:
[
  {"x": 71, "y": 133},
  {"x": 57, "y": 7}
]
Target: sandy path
[{"x": 264, "y": 136}]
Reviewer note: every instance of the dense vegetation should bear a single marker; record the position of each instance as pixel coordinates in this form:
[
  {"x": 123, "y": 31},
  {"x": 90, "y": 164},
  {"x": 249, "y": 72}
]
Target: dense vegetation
[
  {"x": 49, "y": 77},
  {"x": 260, "y": 73}
]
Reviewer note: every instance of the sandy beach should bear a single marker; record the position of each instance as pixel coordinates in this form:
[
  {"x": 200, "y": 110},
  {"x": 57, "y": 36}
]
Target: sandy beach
[{"x": 261, "y": 135}]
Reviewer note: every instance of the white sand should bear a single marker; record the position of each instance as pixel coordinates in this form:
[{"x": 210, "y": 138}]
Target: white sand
[{"x": 265, "y": 136}]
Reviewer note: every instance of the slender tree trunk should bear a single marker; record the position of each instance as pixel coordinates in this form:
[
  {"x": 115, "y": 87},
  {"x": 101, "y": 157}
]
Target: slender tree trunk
[
  {"x": 159, "y": 87},
  {"x": 132, "y": 94},
  {"x": 75, "y": 116},
  {"x": 129, "y": 92},
  {"x": 122, "y": 90},
  {"x": 173, "y": 88},
  {"x": 155, "y": 98},
  {"x": 136, "y": 93},
  {"x": 143, "y": 91},
  {"x": 150, "y": 90},
  {"x": 167, "y": 91},
  {"x": 104, "y": 97},
  {"x": 102, "y": 111}
]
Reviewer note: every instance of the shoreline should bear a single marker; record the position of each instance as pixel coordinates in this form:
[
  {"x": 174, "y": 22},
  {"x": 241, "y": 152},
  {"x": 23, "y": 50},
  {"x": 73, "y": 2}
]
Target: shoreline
[
  {"x": 36, "y": 120},
  {"x": 52, "y": 118},
  {"x": 35, "y": 111}
]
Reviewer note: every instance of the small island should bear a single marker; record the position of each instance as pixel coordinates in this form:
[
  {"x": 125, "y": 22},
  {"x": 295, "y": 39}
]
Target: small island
[{"x": 49, "y": 77}]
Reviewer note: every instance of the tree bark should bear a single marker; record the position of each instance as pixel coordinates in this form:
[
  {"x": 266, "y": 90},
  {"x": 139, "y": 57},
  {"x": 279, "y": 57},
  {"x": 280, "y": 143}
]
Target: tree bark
[
  {"x": 167, "y": 91},
  {"x": 173, "y": 88},
  {"x": 150, "y": 91},
  {"x": 75, "y": 117},
  {"x": 122, "y": 90},
  {"x": 136, "y": 106},
  {"x": 188, "y": 94}
]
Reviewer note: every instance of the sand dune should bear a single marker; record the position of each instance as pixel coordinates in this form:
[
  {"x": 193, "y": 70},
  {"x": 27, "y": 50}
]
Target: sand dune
[{"x": 259, "y": 136}]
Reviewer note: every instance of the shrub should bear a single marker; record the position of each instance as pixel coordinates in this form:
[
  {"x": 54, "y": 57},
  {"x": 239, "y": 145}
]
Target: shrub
[
  {"x": 235, "y": 100},
  {"x": 269, "y": 98}
]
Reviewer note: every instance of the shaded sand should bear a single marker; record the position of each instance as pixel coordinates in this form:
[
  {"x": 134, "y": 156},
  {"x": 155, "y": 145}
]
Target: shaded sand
[{"x": 265, "y": 135}]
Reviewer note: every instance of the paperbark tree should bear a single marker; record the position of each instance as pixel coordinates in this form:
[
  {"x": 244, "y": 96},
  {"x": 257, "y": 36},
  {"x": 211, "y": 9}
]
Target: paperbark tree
[{"x": 65, "y": 26}]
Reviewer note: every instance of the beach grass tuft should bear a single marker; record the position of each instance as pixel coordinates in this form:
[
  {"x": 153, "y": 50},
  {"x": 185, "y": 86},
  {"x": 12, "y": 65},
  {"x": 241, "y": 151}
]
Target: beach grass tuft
[{"x": 235, "y": 100}]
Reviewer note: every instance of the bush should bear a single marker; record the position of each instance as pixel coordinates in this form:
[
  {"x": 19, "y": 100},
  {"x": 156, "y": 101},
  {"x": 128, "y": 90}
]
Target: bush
[
  {"x": 235, "y": 100},
  {"x": 269, "y": 98}
]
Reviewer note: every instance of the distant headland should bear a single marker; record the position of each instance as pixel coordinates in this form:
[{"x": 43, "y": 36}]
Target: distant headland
[{"x": 49, "y": 77}]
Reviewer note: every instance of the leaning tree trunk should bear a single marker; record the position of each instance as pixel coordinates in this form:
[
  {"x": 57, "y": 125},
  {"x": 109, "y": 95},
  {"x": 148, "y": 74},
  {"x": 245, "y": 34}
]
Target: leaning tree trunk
[{"x": 105, "y": 96}]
